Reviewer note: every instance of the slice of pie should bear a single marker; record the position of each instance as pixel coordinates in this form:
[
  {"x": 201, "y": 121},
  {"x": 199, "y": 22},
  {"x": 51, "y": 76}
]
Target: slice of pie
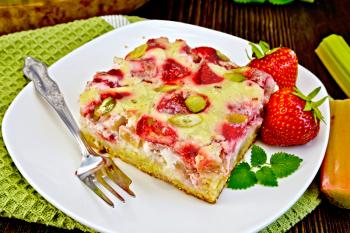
[{"x": 184, "y": 115}]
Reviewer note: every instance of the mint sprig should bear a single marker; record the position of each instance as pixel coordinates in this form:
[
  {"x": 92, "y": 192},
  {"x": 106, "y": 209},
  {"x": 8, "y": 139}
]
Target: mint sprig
[
  {"x": 281, "y": 165},
  {"x": 242, "y": 177},
  {"x": 258, "y": 156}
]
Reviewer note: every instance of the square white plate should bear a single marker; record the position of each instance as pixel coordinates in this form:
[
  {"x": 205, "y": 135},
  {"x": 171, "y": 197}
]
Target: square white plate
[{"x": 47, "y": 156}]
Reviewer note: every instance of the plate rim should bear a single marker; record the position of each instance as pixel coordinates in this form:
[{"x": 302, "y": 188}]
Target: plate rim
[{"x": 11, "y": 108}]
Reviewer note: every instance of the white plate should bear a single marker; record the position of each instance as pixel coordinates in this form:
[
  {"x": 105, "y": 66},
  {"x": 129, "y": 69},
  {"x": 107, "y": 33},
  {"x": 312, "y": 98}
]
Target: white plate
[{"x": 47, "y": 156}]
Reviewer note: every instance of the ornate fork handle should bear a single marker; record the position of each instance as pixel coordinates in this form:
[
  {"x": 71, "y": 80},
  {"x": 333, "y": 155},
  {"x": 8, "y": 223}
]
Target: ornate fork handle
[
  {"x": 93, "y": 168},
  {"x": 48, "y": 88}
]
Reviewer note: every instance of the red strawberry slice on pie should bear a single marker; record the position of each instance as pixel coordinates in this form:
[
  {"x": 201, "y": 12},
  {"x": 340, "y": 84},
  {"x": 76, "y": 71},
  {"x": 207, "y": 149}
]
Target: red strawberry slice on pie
[
  {"x": 115, "y": 95},
  {"x": 160, "y": 43},
  {"x": 110, "y": 78},
  {"x": 233, "y": 131},
  {"x": 206, "y": 76},
  {"x": 90, "y": 107},
  {"x": 173, "y": 103},
  {"x": 206, "y": 53},
  {"x": 118, "y": 74},
  {"x": 156, "y": 131},
  {"x": 188, "y": 152},
  {"x": 144, "y": 68},
  {"x": 174, "y": 71}
]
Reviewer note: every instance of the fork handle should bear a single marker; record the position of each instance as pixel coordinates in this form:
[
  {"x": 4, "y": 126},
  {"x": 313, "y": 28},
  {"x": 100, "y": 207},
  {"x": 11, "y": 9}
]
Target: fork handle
[{"x": 36, "y": 71}]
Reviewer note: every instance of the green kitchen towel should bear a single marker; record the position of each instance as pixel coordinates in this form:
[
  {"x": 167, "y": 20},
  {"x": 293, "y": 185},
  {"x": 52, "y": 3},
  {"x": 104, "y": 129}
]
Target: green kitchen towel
[{"x": 17, "y": 198}]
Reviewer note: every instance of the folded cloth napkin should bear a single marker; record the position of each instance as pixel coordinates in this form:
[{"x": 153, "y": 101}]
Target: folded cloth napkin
[{"x": 17, "y": 198}]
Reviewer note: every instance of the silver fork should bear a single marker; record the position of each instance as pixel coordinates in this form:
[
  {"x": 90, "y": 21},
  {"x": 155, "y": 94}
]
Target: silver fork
[{"x": 94, "y": 168}]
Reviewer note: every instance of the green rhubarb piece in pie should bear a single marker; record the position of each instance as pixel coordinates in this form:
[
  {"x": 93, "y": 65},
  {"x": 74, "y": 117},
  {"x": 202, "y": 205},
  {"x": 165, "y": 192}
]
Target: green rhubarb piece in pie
[
  {"x": 236, "y": 118},
  {"x": 167, "y": 88},
  {"x": 222, "y": 56},
  {"x": 195, "y": 103},
  {"x": 138, "y": 52},
  {"x": 240, "y": 70},
  {"x": 105, "y": 107},
  {"x": 185, "y": 121},
  {"x": 234, "y": 77}
]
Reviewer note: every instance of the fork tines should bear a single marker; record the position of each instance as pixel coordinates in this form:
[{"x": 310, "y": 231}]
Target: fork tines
[{"x": 100, "y": 174}]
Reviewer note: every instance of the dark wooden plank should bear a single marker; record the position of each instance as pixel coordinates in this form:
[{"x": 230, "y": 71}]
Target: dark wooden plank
[
  {"x": 14, "y": 225},
  {"x": 300, "y": 26}
]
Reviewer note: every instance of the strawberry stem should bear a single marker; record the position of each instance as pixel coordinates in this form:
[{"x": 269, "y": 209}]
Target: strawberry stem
[
  {"x": 313, "y": 93},
  {"x": 258, "y": 52},
  {"x": 264, "y": 46},
  {"x": 299, "y": 93},
  {"x": 261, "y": 49},
  {"x": 310, "y": 105}
]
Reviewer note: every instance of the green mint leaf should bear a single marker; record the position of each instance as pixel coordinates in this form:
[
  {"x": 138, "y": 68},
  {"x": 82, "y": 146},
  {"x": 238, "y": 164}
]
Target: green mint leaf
[
  {"x": 265, "y": 176},
  {"x": 280, "y": 2},
  {"x": 283, "y": 164},
  {"x": 242, "y": 177},
  {"x": 258, "y": 156}
]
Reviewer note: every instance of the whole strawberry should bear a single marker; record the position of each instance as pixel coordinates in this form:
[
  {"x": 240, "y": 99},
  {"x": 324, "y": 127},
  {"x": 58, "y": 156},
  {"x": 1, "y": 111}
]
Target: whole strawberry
[
  {"x": 291, "y": 118},
  {"x": 280, "y": 63}
]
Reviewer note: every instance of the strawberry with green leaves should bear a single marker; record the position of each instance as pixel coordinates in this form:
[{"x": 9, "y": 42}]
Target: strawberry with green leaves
[
  {"x": 291, "y": 118},
  {"x": 281, "y": 63}
]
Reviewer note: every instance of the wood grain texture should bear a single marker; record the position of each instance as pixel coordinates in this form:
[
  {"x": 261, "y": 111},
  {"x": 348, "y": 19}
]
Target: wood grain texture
[{"x": 300, "y": 26}]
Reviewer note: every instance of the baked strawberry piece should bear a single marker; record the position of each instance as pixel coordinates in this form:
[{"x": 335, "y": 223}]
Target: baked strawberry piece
[{"x": 184, "y": 115}]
